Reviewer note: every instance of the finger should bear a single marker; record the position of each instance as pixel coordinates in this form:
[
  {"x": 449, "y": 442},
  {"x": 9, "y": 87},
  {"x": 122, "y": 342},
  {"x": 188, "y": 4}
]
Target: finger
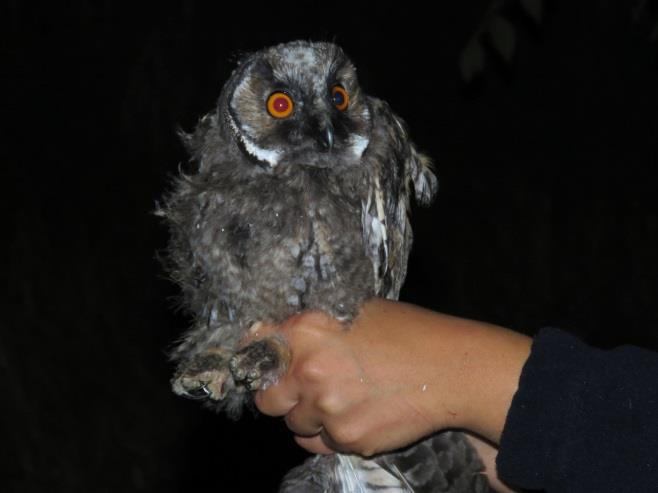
[
  {"x": 304, "y": 420},
  {"x": 307, "y": 327},
  {"x": 277, "y": 400},
  {"x": 315, "y": 445},
  {"x": 258, "y": 330},
  {"x": 332, "y": 444}
]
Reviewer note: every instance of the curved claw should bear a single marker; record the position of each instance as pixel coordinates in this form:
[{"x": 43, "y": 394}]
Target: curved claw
[{"x": 198, "y": 393}]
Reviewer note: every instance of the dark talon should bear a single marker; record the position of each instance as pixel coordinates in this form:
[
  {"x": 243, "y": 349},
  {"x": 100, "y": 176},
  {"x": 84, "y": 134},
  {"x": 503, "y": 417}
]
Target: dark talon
[
  {"x": 197, "y": 394},
  {"x": 254, "y": 384}
]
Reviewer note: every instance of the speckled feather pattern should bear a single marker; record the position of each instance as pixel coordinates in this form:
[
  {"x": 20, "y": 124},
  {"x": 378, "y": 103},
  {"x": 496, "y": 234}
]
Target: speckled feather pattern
[
  {"x": 443, "y": 463},
  {"x": 276, "y": 221}
]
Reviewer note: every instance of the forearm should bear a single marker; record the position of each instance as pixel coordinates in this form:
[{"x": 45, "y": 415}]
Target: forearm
[{"x": 465, "y": 372}]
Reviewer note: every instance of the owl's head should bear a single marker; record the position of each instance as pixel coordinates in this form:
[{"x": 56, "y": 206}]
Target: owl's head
[{"x": 297, "y": 103}]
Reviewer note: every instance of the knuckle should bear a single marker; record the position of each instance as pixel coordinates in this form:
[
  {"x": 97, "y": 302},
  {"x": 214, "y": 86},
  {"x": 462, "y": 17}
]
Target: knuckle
[
  {"x": 312, "y": 370},
  {"x": 328, "y": 404},
  {"x": 346, "y": 435}
]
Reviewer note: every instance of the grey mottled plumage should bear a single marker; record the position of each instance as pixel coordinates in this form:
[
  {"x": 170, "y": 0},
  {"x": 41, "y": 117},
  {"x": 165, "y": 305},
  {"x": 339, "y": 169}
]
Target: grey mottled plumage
[{"x": 300, "y": 201}]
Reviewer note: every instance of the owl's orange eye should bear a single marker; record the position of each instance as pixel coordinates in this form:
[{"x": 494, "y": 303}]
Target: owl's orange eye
[
  {"x": 279, "y": 105},
  {"x": 340, "y": 98}
]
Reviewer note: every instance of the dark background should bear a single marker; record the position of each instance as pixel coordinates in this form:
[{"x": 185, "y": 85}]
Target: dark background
[{"x": 546, "y": 214}]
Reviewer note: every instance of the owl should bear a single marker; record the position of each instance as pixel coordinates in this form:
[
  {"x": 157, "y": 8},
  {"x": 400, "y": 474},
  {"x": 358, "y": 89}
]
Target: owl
[{"x": 299, "y": 200}]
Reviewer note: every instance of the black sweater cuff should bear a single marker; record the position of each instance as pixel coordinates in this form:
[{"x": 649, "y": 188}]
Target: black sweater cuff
[{"x": 582, "y": 419}]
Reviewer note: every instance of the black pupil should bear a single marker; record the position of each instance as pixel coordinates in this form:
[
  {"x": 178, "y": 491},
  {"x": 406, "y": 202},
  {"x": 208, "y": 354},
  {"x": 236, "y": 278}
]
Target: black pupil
[{"x": 338, "y": 98}]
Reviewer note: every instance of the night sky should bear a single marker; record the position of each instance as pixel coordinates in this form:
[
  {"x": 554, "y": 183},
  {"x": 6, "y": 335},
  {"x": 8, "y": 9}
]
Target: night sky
[{"x": 547, "y": 212}]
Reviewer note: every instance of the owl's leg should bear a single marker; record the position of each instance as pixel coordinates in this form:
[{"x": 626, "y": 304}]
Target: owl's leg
[
  {"x": 204, "y": 375},
  {"x": 260, "y": 364}
]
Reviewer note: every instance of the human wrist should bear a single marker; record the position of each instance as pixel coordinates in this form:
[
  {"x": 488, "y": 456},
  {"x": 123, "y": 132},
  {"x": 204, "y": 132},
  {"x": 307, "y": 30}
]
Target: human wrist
[
  {"x": 492, "y": 378},
  {"x": 466, "y": 371}
]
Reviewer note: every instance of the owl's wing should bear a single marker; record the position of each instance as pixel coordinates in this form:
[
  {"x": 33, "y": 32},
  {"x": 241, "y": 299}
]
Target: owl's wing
[
  {"x": 395, "y": 167},
  {"x": 443, "y": 463}
]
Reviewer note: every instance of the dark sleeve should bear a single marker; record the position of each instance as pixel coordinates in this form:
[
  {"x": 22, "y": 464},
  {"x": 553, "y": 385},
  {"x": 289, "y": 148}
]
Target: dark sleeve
[{"x": 583, "y": 419}]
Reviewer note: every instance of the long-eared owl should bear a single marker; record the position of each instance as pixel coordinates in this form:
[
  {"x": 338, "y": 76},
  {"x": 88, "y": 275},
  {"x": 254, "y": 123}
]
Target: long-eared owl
[{"x": 299, "y": 200}]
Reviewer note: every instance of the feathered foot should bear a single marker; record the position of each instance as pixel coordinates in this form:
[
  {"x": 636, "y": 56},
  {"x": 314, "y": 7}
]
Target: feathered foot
[
  {"x": 260, "y": 364},
  {"x": 205, "y": 375},
  {"x": 215, "y": 372}
]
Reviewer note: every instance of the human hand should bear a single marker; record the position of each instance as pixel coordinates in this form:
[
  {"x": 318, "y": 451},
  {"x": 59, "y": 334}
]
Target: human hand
[{"x": 399, "y": 373}]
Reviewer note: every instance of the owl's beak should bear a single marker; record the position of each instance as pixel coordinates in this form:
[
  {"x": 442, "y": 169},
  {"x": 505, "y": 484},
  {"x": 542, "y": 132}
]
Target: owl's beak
[{"x": 325, "y": 137}]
